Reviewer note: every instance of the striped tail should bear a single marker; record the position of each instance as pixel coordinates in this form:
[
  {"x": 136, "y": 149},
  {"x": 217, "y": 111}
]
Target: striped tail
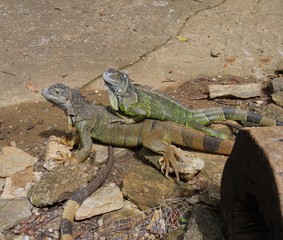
[
  {"x": 188, "y": 137},
  {"x": 205, "y": 116},
  {"x": 79, "y": 196},
  {"x": 207, "y": 143}
]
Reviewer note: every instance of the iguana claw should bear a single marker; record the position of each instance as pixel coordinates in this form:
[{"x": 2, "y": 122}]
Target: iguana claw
[{"x": 168, "y": 162}]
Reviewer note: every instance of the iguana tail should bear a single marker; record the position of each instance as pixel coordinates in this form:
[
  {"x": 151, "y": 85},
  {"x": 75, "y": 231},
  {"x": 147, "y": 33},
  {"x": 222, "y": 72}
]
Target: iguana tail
[
  {"x": 79, "y": 196},
  {"x": 205, "y": 116},
  {"x": 200, "y": 141},
  {"x": 166, "y": 133}
]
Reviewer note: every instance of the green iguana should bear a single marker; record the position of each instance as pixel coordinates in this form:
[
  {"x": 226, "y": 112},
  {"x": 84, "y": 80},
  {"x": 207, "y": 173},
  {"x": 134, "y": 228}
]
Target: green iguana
[
  {"x": 99, "y": 123},
  {"x": 139, "y": 103},
  {"x": 94, "y": 122}
]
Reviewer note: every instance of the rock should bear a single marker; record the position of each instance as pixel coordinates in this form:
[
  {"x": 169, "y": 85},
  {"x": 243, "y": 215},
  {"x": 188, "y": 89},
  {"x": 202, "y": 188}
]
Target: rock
[
  {"x": 204, "y": 225},
  {"x": 60, "y": 183},
  {"x": 13, "y": 211},
  {"x": 128, "y": 209},
  {"x": 276, "y": 84},
  {"x": 211, "y": 196},
  {"x": 148, "y": 187},
  {"x": 213, "y": 167},
  {"x": 18, "y": 184},
  {"x": 101, "y": 152},
  {"x": 177, "y": 234},
  {"x": 278, "y": 98},
  {"x": 2, "y": 183},
  {"x": 193, "y": 199},
  {"x": 103, "y": 200},
  {"x": 118, "y": 222},
  {"x": 244, "y": 91},
  {"x": 13, "y": 159},
  {"x": 273, "y": 111},
  {"x": 252, "y": 183}
]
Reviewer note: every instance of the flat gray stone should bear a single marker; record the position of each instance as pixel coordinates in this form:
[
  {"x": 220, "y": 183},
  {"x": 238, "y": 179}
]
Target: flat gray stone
[
  {"x": 244, "y": 91},
  {"x": 274, "y": 111},
  {"x": 277, "y": 84},
  {"x": 13, "y": 211},
  {"x": 278, "y": 98}
]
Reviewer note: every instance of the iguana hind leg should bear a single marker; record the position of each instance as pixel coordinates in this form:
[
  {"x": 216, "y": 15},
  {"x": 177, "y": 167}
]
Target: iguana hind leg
[
  {"x": 210, "y": 132},
  {"x": 159, "y": 143}
]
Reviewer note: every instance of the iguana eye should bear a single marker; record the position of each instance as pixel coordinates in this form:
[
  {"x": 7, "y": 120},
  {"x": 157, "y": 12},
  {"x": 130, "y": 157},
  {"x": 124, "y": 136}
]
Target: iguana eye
[{"x": 57, "y": 90}]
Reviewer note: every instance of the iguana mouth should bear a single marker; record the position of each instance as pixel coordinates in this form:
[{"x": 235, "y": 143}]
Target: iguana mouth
[
  {"x": 109, "y": 82},
  {"x": 109, "y": 85}
]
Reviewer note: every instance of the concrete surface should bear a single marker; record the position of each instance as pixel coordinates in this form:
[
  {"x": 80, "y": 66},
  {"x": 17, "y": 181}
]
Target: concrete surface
[{"x": 44, "y": 42}]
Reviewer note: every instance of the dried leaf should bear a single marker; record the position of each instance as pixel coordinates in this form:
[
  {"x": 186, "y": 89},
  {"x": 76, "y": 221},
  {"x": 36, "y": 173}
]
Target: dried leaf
[
  {"x": 182, "y": 39},
  {"x": 31, "y": 87}
]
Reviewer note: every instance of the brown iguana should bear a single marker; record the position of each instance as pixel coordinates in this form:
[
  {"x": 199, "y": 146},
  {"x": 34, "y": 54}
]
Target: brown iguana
[
  {"x": 94, "y": 122},
  {"x": 139, "y": 103}
]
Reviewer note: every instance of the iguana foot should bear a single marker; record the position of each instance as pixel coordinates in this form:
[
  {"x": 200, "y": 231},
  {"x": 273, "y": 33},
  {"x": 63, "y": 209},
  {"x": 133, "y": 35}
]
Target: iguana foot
[
  {"x": 124, "y": 121},
  {"x": 56, "y": 162},
  {"x": 168, "y": 161},
  {"x": 66, "y": 159},
  {"x": 62, "y": 140}
]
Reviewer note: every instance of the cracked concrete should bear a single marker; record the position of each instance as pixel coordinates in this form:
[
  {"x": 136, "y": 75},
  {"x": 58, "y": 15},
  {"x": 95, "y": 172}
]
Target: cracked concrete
[{"x": 44, "y": 42}]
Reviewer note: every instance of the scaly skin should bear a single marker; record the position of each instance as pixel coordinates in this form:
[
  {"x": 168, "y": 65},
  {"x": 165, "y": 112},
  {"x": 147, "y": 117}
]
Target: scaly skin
[
  {"x": 140, "y": 103},
  {"x": 94, "y": 122},
  {"x": 79, "y": 196}
]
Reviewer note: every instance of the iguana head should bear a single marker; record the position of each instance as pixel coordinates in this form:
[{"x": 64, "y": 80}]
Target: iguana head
[
  {"x": 118, "y": 85},
  {"x": 60, "y": 95},
  {"x": 70, "y": 100}
]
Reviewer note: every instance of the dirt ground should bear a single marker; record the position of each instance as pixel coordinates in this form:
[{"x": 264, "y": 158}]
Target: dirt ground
[{"x": 28, "y": 126}]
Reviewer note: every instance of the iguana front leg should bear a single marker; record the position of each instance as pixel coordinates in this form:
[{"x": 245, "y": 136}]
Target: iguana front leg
[
  {"x": 158, "y": 142},
  {"x": 84, "y": 138},
  {"x": 86, "y": 146},
  {"x": 139, "y": 116},
  {"x": 128, "y": 119},
  {"x": 59, "y": 149}
]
